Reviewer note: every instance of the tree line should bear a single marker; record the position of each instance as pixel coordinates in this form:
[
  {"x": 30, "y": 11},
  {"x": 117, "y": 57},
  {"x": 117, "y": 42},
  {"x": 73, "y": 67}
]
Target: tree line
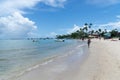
[{"x": 86, "y": 31}]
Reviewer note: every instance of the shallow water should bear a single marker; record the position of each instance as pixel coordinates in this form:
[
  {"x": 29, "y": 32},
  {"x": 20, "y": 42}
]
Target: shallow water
[{"x": 17, "y": 56}]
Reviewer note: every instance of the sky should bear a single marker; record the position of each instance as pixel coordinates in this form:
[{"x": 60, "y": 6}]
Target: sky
[{"x": 48, "y": 18}]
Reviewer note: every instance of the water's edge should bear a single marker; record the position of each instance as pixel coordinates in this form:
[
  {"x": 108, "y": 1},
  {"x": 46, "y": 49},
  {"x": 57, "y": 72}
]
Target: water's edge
[{"x": 26, "y": 56}]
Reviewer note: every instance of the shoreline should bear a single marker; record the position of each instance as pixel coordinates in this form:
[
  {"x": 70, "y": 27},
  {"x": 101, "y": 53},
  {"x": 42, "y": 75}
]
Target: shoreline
[
  {"x": 102, "y": 63},
  {"x": 58, "y": 64}
]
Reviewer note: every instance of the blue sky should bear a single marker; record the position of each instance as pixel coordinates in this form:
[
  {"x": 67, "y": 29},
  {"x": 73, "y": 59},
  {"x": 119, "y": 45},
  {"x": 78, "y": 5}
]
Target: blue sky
[{"x": 47, "y": 18}]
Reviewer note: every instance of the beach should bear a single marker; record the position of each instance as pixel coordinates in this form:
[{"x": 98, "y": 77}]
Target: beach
[
  {"x": 102, "y": 63},
  {"x": 59, "y": 40}
]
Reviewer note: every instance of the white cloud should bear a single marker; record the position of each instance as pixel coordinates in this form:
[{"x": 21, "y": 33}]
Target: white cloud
[
  {"x": 103, "y": 2},
  {"x": 52, "y": 34},
  {"x": 75, "y": 28},
  {"x": 10, "y": 6},
  {"x": 111, "y": 25},
  {"x": 12, "y": 21},
  {"x": 16, "y": 26},
  {"x": 54, "y": 3}
]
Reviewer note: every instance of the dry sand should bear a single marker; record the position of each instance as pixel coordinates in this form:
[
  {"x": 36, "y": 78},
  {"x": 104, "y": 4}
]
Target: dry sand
[{"x": 102, "y": 63}]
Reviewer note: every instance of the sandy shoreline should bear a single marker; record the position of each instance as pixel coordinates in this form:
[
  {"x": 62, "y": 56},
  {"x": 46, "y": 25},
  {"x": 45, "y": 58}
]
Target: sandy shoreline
[{"x": 102, "y": 63}]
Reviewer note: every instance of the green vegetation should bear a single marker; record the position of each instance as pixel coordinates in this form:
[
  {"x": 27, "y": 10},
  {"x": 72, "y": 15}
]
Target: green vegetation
[{"x": 86, "y": 32}]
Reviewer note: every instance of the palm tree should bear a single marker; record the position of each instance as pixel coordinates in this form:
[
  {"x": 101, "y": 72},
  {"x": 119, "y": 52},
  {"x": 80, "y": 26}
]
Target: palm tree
[
  {"x": 92, "y": 32},
  {"x": 86, "y": 24},
  {"x": 90, "y": 25},
  {"x": 99, "y": 31},
  {"x": 90, "y": 28},
  {"x": 85, "y": 28}
]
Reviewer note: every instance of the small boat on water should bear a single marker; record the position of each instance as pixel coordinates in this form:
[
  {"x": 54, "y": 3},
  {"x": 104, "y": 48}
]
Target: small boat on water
[{"x": 60, "y": 40}]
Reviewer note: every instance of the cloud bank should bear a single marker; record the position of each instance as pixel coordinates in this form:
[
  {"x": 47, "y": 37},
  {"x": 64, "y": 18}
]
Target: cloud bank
[
  {"x": 16, "y": 26},
  {"x": 75, "y": 28},
  {"x": 111, "y": 25},
  {"x": 12, "y": 22}
]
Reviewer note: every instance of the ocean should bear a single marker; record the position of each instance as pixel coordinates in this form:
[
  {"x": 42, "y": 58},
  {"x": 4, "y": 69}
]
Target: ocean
[{"x": 20, "y": 56}]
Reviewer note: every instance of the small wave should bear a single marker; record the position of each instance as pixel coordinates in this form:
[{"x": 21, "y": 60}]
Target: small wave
[
  {"x": 34, "y": 67},
  {"x": 47, "y": 62}
]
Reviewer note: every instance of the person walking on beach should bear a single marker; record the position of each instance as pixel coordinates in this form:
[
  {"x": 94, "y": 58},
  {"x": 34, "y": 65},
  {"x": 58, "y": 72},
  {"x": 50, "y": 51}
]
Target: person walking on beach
[{"x": 88, "y": 42}]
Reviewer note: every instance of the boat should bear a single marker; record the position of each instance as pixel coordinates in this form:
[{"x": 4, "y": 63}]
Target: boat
[{"x": 60, "y": 40}]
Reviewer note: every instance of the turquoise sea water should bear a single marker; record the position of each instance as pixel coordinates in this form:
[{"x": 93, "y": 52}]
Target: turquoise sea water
[{"x": 16, "y": 56}]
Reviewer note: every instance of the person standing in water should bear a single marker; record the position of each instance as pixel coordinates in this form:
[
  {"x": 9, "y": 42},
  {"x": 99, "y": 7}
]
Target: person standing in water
[{"x": 88, "y": 42}]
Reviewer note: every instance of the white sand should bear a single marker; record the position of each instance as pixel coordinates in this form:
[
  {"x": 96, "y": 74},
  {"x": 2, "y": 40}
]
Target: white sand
[{"x": 103, "y": 63}]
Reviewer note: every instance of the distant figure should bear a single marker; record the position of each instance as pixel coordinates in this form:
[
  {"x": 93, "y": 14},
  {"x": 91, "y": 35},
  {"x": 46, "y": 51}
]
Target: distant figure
[
  {"x": 88, "y": 42},
  {"x": 83, "y": 39}
]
